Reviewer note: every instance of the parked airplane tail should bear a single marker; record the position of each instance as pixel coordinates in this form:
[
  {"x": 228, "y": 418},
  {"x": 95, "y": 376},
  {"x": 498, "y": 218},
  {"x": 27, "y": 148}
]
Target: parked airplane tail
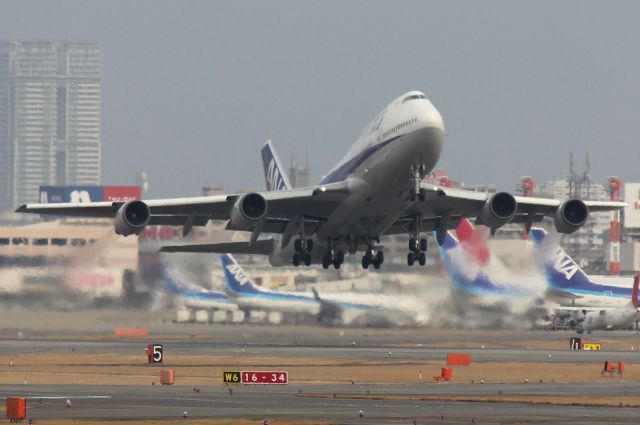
[
  {"x": 173, "y": 281},
  {"x": 562, "y": 271},
  {"x": 565, "y": 274},
  {"x": 236, "y": 279},
  {"x": 634, "y": 292},
  {"x": 274, "y": 174}
]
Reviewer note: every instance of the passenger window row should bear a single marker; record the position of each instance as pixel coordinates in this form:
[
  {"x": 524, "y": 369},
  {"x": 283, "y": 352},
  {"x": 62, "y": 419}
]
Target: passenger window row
[
  {"x": 44, "y": 241},
  {"x": 399, "y": 127}
]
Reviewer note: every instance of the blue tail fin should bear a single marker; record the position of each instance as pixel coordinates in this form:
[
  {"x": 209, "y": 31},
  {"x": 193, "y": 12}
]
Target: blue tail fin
[
  {"x": 237, "y": 280},
  {"x": 274, "y": 175},
  {"x": 173, "y": 281},
  {"x": 564, "y": 273}
]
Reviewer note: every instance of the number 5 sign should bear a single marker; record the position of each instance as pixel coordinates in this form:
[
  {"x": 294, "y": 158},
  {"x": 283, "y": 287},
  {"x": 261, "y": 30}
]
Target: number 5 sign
[{"x": 154, "y": 353}]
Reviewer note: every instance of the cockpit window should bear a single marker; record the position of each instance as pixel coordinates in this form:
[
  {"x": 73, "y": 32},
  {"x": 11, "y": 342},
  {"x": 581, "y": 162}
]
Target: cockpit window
[{"x": 413, "y": 97}]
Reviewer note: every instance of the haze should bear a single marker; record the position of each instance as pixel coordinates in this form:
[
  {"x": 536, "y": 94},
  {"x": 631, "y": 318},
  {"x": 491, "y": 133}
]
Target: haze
[{"x": 191, "y": 90}]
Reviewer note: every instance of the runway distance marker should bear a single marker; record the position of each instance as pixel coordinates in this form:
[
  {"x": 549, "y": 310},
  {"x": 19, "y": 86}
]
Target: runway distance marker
[
  {"x": 155, "y": 353},
  {"x": 265, "y": 378},
  {"x": 231, "y": 377}
]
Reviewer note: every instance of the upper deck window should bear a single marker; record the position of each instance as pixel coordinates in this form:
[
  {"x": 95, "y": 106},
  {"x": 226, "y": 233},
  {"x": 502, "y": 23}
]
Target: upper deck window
[{"x": 413, "y": 97}]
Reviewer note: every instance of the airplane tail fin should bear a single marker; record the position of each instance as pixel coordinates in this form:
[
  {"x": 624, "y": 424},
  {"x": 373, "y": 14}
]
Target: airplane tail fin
[
  {"x": 174, "y": 281},
  {"x": 274, "y": 174},
  {"x": 562, "y": 271},
  {"x": 634, "y": 293},
  {"x": 236, "y": 279}
]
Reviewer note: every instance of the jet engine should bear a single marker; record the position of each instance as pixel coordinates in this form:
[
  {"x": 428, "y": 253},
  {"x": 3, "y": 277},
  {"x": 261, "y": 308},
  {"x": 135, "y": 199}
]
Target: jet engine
[
  {"x": 131, "y": 218},
  {"x": 498, "y": 210},
  {"x": 570, "y": 216},
  {"x": 248, "y": 210}
]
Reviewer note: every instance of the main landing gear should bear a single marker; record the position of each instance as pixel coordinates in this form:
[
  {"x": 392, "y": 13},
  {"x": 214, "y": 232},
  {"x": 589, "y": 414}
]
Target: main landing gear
[
  {"x": 417, "y": 251},
  {"x": 371, "y": 257},
  {"x": 333, "y": 257},
  {"x": 303, "y": 251}
]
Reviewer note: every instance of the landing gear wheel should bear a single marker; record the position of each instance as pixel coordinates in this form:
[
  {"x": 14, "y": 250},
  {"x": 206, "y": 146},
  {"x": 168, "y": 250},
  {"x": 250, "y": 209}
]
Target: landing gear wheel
[
  {"x": 380, "y": 257},
  {"x": 326, "y": 260},
  {"x": 423, "y": 245},
  {"x": 309, "y": 246},
  {"x": 410, "y": 259},
  {"x": 422, "y": 196},
  {"x": 365, "y": 262},
  {"x": 297, "y": 245},
  {"x": 336, "y": 264},
  {"x": 307, "y": 258},
  {"x": 340, "y": 257},
  {"x": 413, "y": 244},
  {"x": 412, "y": 196},
  {"x": 296, "y": 259},
  {"x": 376, "y": 263},
  {"x": 422, "y": 258}
]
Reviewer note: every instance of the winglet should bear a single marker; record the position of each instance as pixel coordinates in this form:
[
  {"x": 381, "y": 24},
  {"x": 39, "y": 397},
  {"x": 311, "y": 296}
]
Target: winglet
[
  {"x": 274, "y": 175},
  {"x": 315, "y": 294},
  {"x": 634, "y": 293}
]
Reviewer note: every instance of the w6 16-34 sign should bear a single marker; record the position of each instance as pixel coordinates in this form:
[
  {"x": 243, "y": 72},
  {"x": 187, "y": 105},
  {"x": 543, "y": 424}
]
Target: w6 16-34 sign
[{"x": 256, "y": 378}]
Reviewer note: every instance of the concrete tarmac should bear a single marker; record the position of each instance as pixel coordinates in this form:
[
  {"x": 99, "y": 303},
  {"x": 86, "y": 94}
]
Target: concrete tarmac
[
  {"x": 149, "y": 402},
  {"x": 167, "y": 402}
]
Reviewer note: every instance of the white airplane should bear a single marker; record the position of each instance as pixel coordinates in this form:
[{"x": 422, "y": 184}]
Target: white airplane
[
  {"x": 331, "y": 308},
  {"x": 613, "y": 318},
  {"x": 376, "y": 189},
  {"x": 194, "y": 297}
]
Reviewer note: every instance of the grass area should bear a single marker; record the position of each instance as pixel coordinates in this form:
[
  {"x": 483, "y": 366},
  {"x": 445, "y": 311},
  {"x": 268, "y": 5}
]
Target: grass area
[{"x": 132, "y": 369}]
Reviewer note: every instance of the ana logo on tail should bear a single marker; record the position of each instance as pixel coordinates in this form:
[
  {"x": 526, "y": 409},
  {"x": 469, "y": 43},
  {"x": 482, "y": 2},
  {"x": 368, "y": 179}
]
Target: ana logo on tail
[
  {"x": 238, "y": 274},
  {"x": 564, "y": 264},
  {"x": 274, "y": 176}
]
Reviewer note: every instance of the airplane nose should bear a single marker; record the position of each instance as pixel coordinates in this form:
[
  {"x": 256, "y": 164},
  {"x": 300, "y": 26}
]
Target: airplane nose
[{"x": 431, "y": 117}]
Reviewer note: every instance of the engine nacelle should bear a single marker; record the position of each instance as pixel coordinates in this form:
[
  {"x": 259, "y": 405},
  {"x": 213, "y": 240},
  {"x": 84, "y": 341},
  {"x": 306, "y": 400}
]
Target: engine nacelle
[
  {"x": 248, "y": 210},
  {"x": 498, "y": 210},
  {"x": 570, "y": 216},
  {"x": 131, "y": 218}
]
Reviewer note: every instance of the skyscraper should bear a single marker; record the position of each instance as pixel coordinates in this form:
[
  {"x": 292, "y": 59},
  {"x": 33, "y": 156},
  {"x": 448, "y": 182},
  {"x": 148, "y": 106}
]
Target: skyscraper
[{"x": 49, "y": 117}]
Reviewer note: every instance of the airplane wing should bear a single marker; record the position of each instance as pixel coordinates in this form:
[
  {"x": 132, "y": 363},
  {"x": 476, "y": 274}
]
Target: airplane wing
[
  {"x": 443, "y": 208},
  {"x": 314, "y": 204}
]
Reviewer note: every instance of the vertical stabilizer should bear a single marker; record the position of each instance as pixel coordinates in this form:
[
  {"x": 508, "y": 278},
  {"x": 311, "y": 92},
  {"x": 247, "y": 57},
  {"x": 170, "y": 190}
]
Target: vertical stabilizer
[
  {"x": 236, "y": 279},
  {"x": 562, "y": 271},
  {"x": 634, "y": 292},
  {"x": 274, "y": 175}
]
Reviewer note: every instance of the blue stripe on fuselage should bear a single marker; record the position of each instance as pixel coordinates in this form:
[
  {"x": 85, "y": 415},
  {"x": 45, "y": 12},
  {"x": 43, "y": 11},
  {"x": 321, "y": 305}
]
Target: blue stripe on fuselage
[{"x": 346, "y": 169}]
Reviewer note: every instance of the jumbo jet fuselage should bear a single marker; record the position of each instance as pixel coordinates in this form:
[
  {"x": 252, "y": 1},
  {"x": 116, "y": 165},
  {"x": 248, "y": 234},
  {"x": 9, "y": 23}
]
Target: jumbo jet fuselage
[{"x": 392, "y": 155}]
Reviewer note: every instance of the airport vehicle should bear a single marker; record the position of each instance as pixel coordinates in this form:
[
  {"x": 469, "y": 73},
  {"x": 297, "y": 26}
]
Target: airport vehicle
[
  {"x": 376, "y": 189},
  {"x": 195, "y": 298},
  {"x": 335, "y": 308}
]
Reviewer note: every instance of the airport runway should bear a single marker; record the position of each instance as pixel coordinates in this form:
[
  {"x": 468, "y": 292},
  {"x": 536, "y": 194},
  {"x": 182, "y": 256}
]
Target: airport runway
[
  {"x": 357, "y": 351},
  {"x": 148, "y": 402}
]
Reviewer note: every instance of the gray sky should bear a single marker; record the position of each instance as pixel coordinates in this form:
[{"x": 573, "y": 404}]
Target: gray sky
[{"x": 192, "y": 89}]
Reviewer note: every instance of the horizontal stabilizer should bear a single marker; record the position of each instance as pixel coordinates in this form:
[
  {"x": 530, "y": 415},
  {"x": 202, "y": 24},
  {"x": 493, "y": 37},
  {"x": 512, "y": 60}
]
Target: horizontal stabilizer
[{"x": 261, "y": 247}]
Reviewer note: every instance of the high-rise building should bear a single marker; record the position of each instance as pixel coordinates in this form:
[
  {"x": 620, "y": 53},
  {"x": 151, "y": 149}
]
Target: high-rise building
[{"x": 49, "y": 117}]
